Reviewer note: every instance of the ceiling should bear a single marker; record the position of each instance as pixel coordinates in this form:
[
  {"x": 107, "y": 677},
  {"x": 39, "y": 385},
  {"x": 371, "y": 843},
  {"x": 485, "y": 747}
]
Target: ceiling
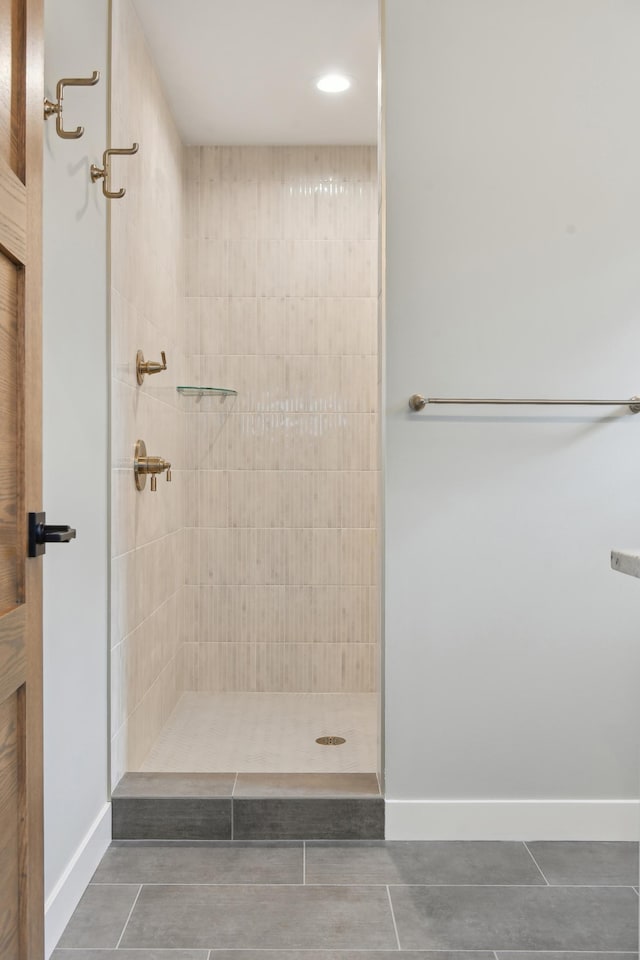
[{"x": 244, "y": 71}]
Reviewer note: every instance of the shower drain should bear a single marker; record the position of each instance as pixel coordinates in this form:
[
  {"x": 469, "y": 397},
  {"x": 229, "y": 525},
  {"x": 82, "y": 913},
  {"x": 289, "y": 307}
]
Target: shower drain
[{"x": 331, "y": 741}]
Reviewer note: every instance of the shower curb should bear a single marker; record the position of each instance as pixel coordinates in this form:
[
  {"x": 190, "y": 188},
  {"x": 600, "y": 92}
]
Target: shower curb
[{"x": 270, "y": 807}]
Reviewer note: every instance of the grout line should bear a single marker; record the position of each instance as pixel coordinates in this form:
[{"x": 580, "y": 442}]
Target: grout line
[
  {"x": 202, "y": 844},
  {"x": 360, "y": 355},
  {"x": 307, "y": 470},
  {"x": 294, "y": 528},
  {"x": 402, "y": 886},
  {"x": 129, "y": 917},
  {"x": 191, "y": 526},
  {"x": 148, "y": 617},
  {"x": 149, "y": 543},
  {"x": 393, "y": 917},
  {"x": 304, "y": 862},
  {"x": 138, "y": 706},
  {"x": 278, "y": 950},
  {"x": 541, "y": 873},
  {"x": 299, "y": 586}
]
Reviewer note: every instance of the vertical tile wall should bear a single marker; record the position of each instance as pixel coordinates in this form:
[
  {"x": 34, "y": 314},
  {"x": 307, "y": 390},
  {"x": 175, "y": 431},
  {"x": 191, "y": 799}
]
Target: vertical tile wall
[
  {"x": 147, "y": 312},
  {"x": 282, "y": 491}
]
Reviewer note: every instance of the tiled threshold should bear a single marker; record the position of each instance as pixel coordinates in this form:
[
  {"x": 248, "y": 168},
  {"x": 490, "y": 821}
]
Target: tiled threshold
[{"x": 248, "y": 806}]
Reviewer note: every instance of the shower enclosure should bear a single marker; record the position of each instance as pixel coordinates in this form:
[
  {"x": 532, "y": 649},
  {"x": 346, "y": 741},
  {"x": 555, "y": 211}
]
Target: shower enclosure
[{"x": 245, "y": 597}]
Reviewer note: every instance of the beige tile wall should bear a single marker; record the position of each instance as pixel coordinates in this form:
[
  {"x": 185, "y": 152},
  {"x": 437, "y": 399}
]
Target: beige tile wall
[
  {"x": 256, "y": 569},
  {"x": 281, "y": 501},
  {"x": 147, "y": 312}
]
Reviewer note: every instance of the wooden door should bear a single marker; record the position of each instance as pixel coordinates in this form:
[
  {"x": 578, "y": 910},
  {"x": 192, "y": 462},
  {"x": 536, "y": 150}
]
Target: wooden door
[{"x": 21, "y": 122}]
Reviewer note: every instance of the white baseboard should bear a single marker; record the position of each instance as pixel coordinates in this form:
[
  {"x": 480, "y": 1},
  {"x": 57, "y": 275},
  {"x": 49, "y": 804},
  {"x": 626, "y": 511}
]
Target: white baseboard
[
  {"x": 67, "y": 892},
  {"x": 512, "y": 819}
]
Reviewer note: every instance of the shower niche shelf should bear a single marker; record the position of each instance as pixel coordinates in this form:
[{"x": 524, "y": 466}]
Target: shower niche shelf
[{"x": 206, "y": 392}]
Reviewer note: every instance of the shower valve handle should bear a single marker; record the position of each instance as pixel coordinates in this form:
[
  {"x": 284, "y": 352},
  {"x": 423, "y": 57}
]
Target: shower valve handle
[
  {"x": 144, "y": 466},
  {"x": 148, "y": 367},
  {"x": 154, "y": 479}
]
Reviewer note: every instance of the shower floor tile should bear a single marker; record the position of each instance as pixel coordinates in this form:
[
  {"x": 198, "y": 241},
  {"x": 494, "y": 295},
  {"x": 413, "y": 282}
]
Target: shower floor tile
[{"x": 268, "y": 733}]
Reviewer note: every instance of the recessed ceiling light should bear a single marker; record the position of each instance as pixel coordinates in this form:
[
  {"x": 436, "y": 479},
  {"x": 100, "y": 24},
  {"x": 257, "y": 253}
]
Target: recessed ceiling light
[{"x": 333, "y": 83}]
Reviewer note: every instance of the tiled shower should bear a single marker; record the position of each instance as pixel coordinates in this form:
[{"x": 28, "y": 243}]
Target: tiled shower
[{"x": 244, "y": 594}]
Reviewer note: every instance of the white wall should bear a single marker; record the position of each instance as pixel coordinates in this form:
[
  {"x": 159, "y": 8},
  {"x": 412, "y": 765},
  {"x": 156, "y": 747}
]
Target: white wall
[
  {"x": 513, "y": 243},
  {"x": 75, "y": 417}
]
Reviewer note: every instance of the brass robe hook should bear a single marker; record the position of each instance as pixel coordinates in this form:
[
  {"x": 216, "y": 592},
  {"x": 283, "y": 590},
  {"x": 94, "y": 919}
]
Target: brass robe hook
[
  {"x": 52, "y": 108},
  {"x": 104, "y": 172}
]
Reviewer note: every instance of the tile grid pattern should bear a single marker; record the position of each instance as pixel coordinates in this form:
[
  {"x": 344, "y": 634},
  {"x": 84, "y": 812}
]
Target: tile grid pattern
[
  {"x": 147, "y": 313},
  {"x": 281, "y": 503},
  {"x": 337, "y": 901}
]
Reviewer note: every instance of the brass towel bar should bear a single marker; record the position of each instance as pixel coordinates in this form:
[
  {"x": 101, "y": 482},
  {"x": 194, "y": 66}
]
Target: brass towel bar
[{"x": 418, "y": 402}]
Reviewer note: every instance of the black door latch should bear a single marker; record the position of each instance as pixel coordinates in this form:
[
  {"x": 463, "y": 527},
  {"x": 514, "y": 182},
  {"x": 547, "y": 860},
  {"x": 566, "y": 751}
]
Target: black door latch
[{"x": 41, "y": 533}]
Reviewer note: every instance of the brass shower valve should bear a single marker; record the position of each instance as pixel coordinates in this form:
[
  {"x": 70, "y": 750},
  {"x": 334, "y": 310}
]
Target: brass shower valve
[
  {"x": 144, "y": 466},
  {"x": 148, "y": 367}
]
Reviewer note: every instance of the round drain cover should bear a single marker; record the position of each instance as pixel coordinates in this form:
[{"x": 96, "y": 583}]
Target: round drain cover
[{"x": 331, "y": 741}]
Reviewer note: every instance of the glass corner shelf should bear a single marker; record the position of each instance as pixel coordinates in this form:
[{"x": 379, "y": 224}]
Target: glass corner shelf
[{"x": 206, "y": 392}]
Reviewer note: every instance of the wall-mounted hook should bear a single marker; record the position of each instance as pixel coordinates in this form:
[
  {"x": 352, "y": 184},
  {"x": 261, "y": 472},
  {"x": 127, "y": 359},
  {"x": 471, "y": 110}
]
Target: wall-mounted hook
[
  {"x": 148, "y": 367},
  {"x": 55, "y": 109},
  {"x": 104, "y": 172}
]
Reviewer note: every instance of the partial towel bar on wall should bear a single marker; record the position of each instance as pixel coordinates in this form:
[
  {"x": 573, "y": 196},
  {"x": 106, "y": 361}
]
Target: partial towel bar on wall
[{"x": 418, "y": 402}]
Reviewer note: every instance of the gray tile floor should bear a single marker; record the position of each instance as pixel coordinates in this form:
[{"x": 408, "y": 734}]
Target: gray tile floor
[{"x": 359, "y": 901}]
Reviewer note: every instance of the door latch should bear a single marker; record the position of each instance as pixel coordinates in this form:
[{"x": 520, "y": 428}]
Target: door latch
[{"x": 41, "y": 533}]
